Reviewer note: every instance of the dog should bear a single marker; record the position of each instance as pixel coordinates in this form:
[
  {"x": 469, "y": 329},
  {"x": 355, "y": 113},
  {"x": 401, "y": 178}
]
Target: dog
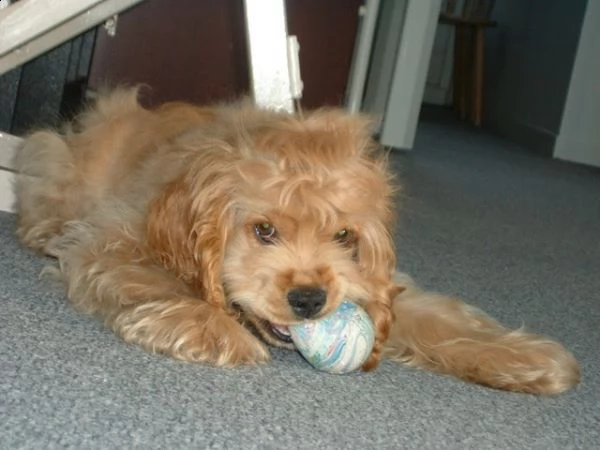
[{"x": 202, "y": 233}]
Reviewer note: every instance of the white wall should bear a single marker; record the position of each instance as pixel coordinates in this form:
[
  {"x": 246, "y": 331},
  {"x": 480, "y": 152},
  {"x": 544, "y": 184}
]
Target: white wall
[{"x": 579, "y": 136}]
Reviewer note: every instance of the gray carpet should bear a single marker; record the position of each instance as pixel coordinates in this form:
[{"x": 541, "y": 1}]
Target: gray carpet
[{"x": 512, "y": 233}]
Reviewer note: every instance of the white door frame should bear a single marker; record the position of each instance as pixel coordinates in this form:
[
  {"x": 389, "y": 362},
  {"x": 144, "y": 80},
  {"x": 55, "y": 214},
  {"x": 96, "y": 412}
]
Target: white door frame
[
  {"x": 399, "y": 64},
  {"x": 410, "y": 73}
]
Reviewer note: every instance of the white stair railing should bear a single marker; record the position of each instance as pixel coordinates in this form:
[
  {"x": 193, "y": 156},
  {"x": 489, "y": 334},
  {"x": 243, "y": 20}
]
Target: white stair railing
[{"x": 29, "y": 28}]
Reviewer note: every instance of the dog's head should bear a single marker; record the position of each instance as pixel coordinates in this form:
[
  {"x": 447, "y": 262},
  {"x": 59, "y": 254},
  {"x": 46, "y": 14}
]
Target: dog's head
[{"x": 283, "y": 219}]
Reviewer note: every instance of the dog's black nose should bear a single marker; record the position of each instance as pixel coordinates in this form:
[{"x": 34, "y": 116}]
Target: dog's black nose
[{"x": 307, "y": 301}]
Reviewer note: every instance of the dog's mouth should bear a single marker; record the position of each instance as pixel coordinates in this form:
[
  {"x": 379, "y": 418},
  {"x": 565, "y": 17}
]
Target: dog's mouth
[
  {"x": 280, "y": 332},
  {"x": 273, "y": 334}
]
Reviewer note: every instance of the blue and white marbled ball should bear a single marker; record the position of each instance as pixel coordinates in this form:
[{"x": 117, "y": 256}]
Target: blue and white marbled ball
[{"x": 338, "y": 343}]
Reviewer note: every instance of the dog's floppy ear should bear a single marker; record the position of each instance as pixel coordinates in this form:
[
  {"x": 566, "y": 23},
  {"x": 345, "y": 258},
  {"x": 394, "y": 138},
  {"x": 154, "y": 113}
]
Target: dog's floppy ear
[
  {"x": 376, "y": 254},
  {"x": 377, "y": 260},
  {"x": 187, "y": 229},
  {"x": 376, "y": 250}
]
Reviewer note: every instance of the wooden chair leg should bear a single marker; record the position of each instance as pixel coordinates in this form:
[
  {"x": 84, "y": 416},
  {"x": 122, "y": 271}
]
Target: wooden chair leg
[
  {"x": 457, "y": 71},
  {"x": 478, "y": 69},
  {"x": 462, "y": 61}
]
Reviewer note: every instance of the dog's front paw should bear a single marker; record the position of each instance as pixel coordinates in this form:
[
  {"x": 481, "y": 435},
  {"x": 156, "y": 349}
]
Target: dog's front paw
[
  {"x": 221, "y": 341},
  {"x": 190, "y": 331}
]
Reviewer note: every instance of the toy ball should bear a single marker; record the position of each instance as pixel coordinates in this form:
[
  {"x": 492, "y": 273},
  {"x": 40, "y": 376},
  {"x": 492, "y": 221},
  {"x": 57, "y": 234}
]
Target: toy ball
[{"x": 338, "y": 343}]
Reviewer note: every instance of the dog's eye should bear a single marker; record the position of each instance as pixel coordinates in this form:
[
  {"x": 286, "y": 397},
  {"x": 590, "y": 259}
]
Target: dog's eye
[
  {"x": 265, "y": 232},
  {"x": 344, "y": 236}
]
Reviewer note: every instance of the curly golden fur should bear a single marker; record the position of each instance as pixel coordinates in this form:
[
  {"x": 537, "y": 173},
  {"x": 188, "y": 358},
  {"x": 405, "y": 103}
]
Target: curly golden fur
[{"x": 201, "y": 233}]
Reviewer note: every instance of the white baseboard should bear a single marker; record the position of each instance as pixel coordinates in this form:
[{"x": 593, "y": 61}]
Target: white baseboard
[
  {"x": 574, "y": 149},
  {"x": 436, "y": 95},
  {"x": 8, "y": 148},
  {"x": 7, "y": 196},
  {"x": 9, "y": 145}
]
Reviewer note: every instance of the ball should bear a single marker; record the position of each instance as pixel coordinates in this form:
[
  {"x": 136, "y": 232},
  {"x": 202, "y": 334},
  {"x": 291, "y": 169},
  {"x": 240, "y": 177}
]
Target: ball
[{"x": 338, "y": 343}]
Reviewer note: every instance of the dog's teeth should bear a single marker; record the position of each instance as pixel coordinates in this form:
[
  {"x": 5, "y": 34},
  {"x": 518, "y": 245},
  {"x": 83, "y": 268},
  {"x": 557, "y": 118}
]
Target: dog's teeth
[{"x": 282, "y": 329}]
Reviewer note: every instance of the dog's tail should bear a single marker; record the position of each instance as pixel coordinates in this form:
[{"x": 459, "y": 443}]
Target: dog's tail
[
  {"x": 109, "y": 104},
  {"x": 443, "y": 334}
]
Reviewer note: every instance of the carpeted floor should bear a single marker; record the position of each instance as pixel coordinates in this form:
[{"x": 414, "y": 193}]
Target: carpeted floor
[{"x": 512, "y": 233}]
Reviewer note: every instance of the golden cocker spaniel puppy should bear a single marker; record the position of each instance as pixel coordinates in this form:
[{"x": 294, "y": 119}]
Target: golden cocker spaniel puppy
[{"x": 202, "y": 233}]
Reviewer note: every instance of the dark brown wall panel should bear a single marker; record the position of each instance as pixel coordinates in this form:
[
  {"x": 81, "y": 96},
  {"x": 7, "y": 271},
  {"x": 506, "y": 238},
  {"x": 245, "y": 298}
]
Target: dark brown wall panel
[
  {"x": 326, "y": 30},
  {"x": 184, "y": 49},
  {"x": 195, "y": 50}
]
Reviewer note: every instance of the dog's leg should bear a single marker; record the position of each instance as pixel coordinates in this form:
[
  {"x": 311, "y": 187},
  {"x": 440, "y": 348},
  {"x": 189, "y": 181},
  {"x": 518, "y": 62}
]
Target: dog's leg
[
  {"x": 448, "y": 336},
  {"x": 146, "y": 305},
  {"x": 45, "y": 172}
]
